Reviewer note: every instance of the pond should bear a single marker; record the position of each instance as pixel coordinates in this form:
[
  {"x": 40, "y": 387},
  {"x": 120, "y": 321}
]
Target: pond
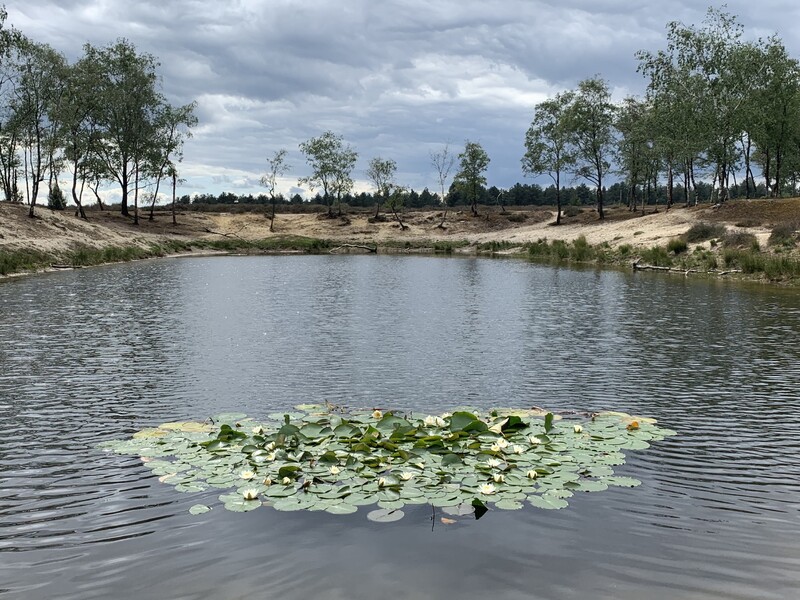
[{"x": 97, "y": 354}]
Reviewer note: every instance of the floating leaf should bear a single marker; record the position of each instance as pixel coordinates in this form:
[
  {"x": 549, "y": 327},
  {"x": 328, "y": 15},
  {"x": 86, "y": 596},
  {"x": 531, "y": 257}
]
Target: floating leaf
[
  {"x": 335, "y": 462},
  {"x": 199, "y": 509},
  {"x": 385, "y": 516}
]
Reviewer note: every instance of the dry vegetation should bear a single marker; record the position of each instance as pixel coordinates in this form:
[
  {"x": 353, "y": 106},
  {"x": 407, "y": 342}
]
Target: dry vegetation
[{"x": 58, "y": 235}]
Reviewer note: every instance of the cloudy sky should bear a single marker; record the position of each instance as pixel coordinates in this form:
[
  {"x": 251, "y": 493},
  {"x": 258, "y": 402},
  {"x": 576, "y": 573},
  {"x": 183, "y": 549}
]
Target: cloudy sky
[{"x": 397, "y": 78}]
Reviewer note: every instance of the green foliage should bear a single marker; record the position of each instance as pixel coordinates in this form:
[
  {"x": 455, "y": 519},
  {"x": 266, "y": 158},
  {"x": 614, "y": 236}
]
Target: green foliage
[
  {"x": 470, "y": 177},
  {"x": 55, "y": 198},
  {"x": 496, "y": 246},
  {"x": 581, "y": 250},
  {"x": 656, "y": 256},
  {"x": 16, "y": 261},
  {"x": 332, "y": 162},
  {"x": 315, "y": 458},
  {"x": 677, "y": 246}
]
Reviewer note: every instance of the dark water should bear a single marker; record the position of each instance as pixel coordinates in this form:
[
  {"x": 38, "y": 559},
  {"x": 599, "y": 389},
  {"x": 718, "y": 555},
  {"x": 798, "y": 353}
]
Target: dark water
[{"x": 97, "y": 354}]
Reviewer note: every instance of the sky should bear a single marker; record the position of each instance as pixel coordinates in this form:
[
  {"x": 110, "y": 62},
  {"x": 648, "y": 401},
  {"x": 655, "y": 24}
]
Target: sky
[{"x": 397, "y": 79}]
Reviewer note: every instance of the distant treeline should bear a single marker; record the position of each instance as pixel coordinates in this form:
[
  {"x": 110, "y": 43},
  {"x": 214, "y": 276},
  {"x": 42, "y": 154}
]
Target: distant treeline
[{"x": 520, "y": 194}]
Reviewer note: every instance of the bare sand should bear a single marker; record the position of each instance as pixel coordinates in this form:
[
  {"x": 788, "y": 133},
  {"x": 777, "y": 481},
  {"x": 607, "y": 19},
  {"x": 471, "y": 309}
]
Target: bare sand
[{"x": 59, "y": 231}]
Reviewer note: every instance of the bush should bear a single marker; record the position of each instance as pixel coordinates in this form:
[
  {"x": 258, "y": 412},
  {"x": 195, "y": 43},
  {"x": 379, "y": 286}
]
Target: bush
[
  {"x": 657, "y": 256},
  {"x": 571, "y": 211},
  {"x": 783, "y": 235},
  {"x": 700, "y": 232},
  {"x": 625, "y": 250},
  {"x": 740, "y": 239},
  {"x": 581, "y": 250},
  {"x": 677, "y": 246}
]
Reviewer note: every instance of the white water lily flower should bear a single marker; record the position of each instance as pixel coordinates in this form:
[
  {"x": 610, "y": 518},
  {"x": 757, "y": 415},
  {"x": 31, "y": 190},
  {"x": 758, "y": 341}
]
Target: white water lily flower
[
  {"x": 534, "y": 440},
  {"x": 486, "y": 488},
  {"x": 578, "y": 429},
  {"x": 286, "y": 481},
  {"x": 270, "y": 446},
  {"x": 496, "y": 428},
  {"x": 250, "y": 494},
  {"x": 532, "y": 474},
  {"x": 494, "y": 448},
  {"x": 498, "y": 478},
  {"x": 406, "y": 476},
  {"x": 502, "y": 442},
  {"x": 430, "y": 421},
  {"x": 247, "y": 474},
  {"x": 270, "y": 456},
  {"x": 258, "y": 430},
  {"x": 335, "y": 470},
  {"x": 268, "y": 482},
  {"x": 377, "y": 414},
  {"x": 494, "y": 463},
  {"x": 518, "y": 449}
]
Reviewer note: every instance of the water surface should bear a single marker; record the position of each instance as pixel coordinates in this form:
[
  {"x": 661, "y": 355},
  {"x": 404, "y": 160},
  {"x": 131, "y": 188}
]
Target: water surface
[{"x": 96, "y": 354}]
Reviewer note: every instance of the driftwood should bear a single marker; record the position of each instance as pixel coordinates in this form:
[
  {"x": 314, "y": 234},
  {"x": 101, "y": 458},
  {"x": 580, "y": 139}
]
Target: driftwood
[
  {"x": 637, "y": 266},
  {"x": 207, "y": 230},
  {"x": 368, "y": 248}
]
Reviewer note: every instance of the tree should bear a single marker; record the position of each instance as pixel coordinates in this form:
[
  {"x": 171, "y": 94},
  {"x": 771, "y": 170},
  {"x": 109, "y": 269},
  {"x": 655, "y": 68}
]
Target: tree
[
  {"x": 589, "y": 121},
  {"x": 37, "y": 91},
  {"x": 473, "y": 163},
  {"x": 171, "y": 127},
  {"x": 276, "y": 167},
  {"x": 548, "y": 150},
  {"x": 443, "y": 162},
  {"x": 331, "y": 161},
  {"x": 125, "y": 112},
  {"x": 381, "y": 173}
]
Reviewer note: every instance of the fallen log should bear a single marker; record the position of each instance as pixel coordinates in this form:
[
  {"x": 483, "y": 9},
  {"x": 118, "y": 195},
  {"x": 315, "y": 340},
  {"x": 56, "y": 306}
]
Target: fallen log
[{"x": 367, "y": 248}]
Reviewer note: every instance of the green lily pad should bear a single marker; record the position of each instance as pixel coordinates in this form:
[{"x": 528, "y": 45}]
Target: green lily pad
[
  {"x": 385, "y": 515},
  {"x": 199, "y": 509}
]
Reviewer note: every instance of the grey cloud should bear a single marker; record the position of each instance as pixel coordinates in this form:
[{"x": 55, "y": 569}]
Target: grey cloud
[{"x": 396, "y": 78}]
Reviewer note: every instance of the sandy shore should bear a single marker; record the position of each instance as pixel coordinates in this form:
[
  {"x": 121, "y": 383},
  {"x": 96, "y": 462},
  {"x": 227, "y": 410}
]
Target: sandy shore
[{"x": 59, "y": 231}]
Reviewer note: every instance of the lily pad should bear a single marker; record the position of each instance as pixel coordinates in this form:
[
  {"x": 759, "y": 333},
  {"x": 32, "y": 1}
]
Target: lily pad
[{"x": 385, "y": 515}]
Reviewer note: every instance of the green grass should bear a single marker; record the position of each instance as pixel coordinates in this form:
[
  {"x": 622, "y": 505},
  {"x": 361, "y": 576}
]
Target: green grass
[
  {"x": 20, "y": 261},
  {"x": 677, "y": 246}
]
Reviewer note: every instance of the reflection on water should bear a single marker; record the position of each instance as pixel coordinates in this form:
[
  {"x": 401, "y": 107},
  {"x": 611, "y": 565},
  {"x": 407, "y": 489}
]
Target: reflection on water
[{"x": 97, "y": 354}]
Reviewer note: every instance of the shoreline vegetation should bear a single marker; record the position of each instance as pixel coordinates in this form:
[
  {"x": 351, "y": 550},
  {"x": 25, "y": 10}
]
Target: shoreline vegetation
[{"x": 749, "y": 239}]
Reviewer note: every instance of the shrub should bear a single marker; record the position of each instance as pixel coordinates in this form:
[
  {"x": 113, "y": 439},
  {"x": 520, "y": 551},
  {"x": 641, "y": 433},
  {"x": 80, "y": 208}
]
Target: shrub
[
  {"x": 783, "y": 235},
  {"x": 657, "y": 256},
  {"x": 677, "y": 246},
  {"x": 571, "y": 211},
  {"x": 700, "y": 232},
  {"x": 739, "y": 239},
  {"x": 581, "y": 250},
  {"x": 559, "y": 250},
  {"x": 625, "y": 250}
]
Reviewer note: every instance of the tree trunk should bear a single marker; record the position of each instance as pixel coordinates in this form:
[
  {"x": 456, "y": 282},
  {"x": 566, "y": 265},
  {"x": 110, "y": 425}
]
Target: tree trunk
[
  {"x": 174, "y": 185},
  {"x": 136, "y": 195},
  {"x": 670, "y": 185},
  {"x": 558, "y": 198},
  {"x": 272, "y": 218}
]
